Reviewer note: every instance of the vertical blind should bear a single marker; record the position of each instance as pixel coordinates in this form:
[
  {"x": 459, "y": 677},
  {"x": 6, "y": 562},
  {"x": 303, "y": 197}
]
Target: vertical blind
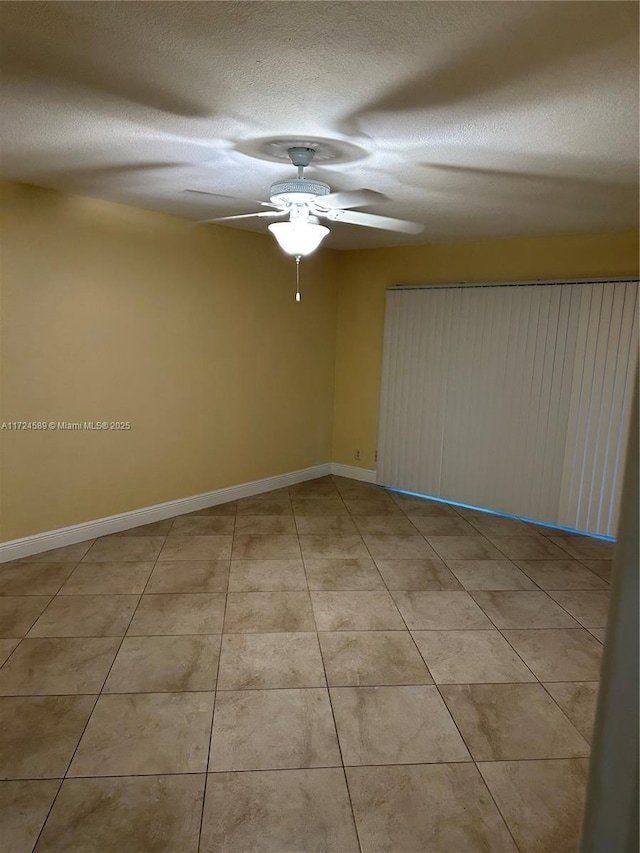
[{"x": 512, "y": 398}]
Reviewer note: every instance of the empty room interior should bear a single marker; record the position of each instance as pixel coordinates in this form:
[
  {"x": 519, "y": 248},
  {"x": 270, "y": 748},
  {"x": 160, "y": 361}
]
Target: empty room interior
[{"x": 319, "y": 427}]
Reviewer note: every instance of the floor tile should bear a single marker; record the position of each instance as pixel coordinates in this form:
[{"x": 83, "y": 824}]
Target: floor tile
[
  {"x": 602, "y": 568},
  {"x": 333, "y": 546},
  {"x": 267, "y": 575},
  {"x": 229, "y": 508},
  {"x": 544, "y": 529},
  {"x": 421, "y": 507},
  {"x": 6, "y": 647},
  {"x": 585, "y": 546},
  {"x": 141, "y": 813},
  {"x": 55, "y": 666},
  {"x": 203, "y": 525},
  {"x": 268, "y": 612},
  {"x": 388, "y": 547},
  {"x": 474, "y": 512},
  {"x": 578, "y": 700},
  {"x": 598, "y": 633},
  {"x": 425, "y": 574},
  {"x": 433, "y": 611},
  {"x": 523, "y": 610},
  {"x": 18, "y": 613},
  {"x": 154, "y": 528},
  {"x": 24, "y": 806},
  {"x": 497, "y": 525},
  {"x": 267, "y": 661},
  {"x": 372, "y": 506},
  {"x": 265, "y": 547},
  {"x": 470, "y": 657},
  {"x": 357, "y": 573},
  {"x": 38, "y": 734},
  {"x": 349, "y": 488},
  {"x": 278, "y": 811},
  {"x": 197, "y": 548},
  {"x": 395, "y": 725},
  {"x": 178, "y": 613},
  {"x": 86, "y": 616},
  {"x": 145, "y": 733},
  {"x": 561, "y": 574},
  {"x": 273, "y": 729},
  {"x": 372, "y": 658},
  {"x": 379, "y": 525},
  {"x": 489, "y": 574},
  {"x": 130, "y": 549},
  {"x": 512, "y": 722},
  {"x": 33, "y": 578},
  {"x": 589, "y": 607},
  {"x": 542, "y": 801},
  {"x": 264, "y": 505},
  {"x": 265, "y": 524},
  {"x": 169, "y": 664},
  {"x": 311, "y": 508},
  {"x": 532, "y": 547},
  {"x": 356, "y": 611},
  {"x": 559, "y": 655},
  {"x": 429, "y": 807},
  {"x": 443, "y": 525},
  {"x": 315, "y": 524},
  {"x": 105, "y": 578},
  {"x": 322, "y": 487},
  {"x": 464, "y": 548},
  {"x": 189, "y": 576},
  {"x": 67, "y": 554}
]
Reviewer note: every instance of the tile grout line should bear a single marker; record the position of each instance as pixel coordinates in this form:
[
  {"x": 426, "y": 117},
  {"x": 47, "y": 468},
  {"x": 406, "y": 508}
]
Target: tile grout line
[
  {"x": 289, "y": 769},
  {"x": 524, "y": 590},
  {"x": 215, "y": 691},
  {"x": 453, "y": 720},
  {"x": 333, "y": 715},
  {"x": 501, "y": 631},
  {"x": 98, "y": 695},
  {"x": 578, "y": 626},
  {"x": 537, "y": 681},
  {"x": 21, "y": 639}
]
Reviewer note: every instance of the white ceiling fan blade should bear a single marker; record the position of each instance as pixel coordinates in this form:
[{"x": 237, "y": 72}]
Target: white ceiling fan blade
[
  {"x": 244, "y": 216},
  {"x": 371, "y": 220},
  {"x": 234, "y": 198},
  {"x": 356, "y": 198}
]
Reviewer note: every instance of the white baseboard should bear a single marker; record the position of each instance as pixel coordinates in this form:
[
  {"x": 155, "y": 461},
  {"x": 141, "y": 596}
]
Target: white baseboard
[
  {"x": 42, "y": 542},
  {"x": 353, "y": 473}
]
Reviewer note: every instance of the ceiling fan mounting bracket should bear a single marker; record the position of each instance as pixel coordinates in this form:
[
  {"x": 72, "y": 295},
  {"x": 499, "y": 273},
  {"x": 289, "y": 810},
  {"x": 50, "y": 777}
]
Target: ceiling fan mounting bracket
[{"x": 301, "y": 156}]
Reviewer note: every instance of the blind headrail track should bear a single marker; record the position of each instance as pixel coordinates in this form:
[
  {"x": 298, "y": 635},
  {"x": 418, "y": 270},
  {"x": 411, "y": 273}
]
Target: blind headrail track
[{"x": 533, "y": 283}]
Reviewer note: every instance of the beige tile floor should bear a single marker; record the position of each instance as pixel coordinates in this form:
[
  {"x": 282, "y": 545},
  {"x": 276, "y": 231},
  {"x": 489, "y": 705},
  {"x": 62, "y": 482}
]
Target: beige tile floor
[{"x": 329, "y": 667}]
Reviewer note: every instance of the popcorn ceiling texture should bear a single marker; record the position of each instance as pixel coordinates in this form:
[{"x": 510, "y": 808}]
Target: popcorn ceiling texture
[{"x": 480, "y": 120}]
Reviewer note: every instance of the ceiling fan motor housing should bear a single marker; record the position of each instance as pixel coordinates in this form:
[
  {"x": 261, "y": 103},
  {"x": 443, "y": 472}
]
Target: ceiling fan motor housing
[{"x": 297, "y": 191}]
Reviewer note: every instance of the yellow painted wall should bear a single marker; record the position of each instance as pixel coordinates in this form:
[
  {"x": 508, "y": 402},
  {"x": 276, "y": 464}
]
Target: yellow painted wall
[
  {"x": 190, "y": 333},
  {"x": 366, "y": 274}
]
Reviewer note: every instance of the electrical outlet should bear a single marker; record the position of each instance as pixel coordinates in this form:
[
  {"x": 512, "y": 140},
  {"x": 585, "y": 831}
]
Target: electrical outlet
[{"x": 356, "y": 455}]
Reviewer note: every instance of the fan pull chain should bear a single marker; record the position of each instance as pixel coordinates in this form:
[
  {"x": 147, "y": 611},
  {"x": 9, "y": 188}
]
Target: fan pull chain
[{"x": 297, "y": 278}]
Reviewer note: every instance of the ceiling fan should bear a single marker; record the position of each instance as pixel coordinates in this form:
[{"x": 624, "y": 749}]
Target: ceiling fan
[{"x": 304, "y": 202}]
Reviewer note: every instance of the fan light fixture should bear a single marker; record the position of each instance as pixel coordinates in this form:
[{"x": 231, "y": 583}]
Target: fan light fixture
[
  {"x": 299, "y": 236},
  {"x": 305, "y": 200}
]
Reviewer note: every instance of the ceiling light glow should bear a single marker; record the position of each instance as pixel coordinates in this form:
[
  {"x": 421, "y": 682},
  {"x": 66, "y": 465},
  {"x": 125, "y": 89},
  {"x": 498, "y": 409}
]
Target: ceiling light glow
[{"x": 300, "y": 237}]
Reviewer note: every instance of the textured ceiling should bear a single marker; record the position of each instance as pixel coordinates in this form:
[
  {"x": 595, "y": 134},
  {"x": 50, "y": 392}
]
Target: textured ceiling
[{"x": 477, "y": 119}]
